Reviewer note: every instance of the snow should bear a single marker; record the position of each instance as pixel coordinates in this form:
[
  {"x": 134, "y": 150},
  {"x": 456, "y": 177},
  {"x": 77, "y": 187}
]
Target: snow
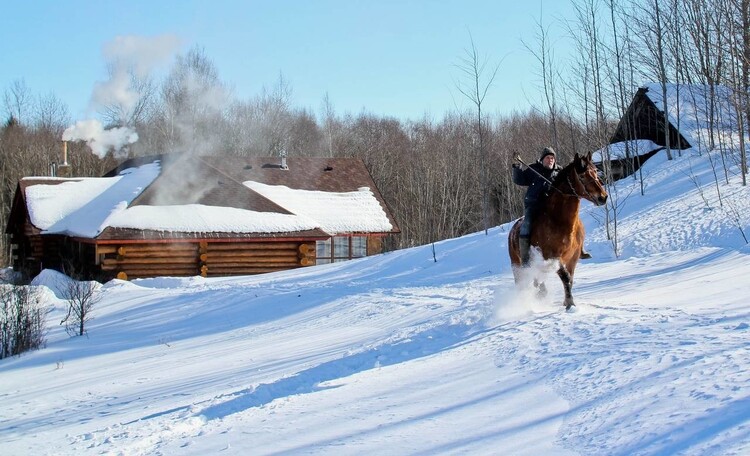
[
  {"x": 397, "y": 353},
  {"x": 82, "y": 207},
  {"x": 200, "y": 218},
  {"x": 86, "y": 206},
  {"x": 338, "y": 212},
  {"x": 625, "y": 149},
  {"x": 688, "y": 109}
]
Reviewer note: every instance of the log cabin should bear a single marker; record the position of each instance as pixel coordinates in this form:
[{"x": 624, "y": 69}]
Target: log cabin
[
  {"x": 705, "y": 117},
  {"x": 184, "y": 215},
  {"x": 640, "y": 133}
]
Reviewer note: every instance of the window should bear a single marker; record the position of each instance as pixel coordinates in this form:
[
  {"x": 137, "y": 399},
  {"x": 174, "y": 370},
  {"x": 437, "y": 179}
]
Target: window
[
  {"x": 359, "y": 246},
  {"x": 340, "y": 248},
  {"x": 323, "y": 252}
]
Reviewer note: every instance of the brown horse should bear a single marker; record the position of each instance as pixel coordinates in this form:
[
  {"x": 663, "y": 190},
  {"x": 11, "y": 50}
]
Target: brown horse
[{"x": 557, "y": 231}]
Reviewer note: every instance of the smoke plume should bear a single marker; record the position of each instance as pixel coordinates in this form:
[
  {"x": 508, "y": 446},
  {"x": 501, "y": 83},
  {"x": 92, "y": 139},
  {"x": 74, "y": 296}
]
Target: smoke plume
[
  {"x": 128, "y": 57},
  {"x": 100, "y": 140}
]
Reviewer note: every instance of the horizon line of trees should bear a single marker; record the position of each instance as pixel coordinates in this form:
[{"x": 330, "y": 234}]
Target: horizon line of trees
[{"x": 441, "y": 177}]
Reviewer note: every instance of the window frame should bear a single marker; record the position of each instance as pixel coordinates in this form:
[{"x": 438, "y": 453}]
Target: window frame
[{"x": 350, "y": 248}]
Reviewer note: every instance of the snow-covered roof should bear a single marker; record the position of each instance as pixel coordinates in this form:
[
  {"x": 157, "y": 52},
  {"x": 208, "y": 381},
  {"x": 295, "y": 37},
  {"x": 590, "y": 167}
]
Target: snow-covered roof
[
  {"x": 689, "y": 107},
  {"x": 85, "y": 207},
  {"x": 357, "y": 211},
  {"x": 618, "y": 150}
]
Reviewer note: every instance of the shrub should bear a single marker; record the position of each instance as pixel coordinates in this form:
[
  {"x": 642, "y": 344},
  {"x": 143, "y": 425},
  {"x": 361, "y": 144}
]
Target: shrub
[
  {"x": 81, "y": 296},
  {"x": 22, "y": 320}
]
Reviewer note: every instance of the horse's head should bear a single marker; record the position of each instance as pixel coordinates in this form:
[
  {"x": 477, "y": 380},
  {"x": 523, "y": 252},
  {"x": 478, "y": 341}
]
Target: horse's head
[{"x": 584, "y": 180}]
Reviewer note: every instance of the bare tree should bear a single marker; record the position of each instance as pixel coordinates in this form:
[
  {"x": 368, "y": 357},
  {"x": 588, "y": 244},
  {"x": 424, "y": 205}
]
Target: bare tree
[
  {"x": 474, "y": 86},
  {"x": 652, "y": 34},
  {"x": 81, "y": 296},
  {"x": 193, "y": 101},
  {"x": 745, "y": 21},
  {"x": 331, "y": 125},
  {"x": 544, "y": 56},
  {"x": 136, "y": 112},
  {"x": 738, "y": 12},
  {"x": 51, "y": 114},
  {"x": 585, "y": 28},
  {"x": 17, "y": 101}
]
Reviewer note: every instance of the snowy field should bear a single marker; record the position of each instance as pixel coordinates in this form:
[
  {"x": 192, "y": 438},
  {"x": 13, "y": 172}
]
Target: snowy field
[{"x": 398, "y": 354}]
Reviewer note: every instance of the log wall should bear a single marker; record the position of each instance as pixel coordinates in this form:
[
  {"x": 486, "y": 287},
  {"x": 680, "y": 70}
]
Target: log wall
[{"x": 209, "y": 259}]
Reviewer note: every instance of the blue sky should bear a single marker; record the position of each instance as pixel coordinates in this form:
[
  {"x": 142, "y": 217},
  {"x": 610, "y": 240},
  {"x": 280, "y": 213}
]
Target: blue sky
[{"x": 392, "y": 58}]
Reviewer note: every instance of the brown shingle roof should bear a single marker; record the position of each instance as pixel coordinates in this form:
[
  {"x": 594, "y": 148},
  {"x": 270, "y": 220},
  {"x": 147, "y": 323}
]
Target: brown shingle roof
[
  {"x": 303, "y": 173},
  {"x": 189, "y": 180},
  {"x": 217, "y": 181}
]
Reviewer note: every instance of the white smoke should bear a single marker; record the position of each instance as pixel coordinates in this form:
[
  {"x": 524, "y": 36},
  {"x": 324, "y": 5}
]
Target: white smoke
[
  {"x": 141, "y": 53},
  {"x": 100, "y": 140},
  {"x": 126, "y": 55},
  {"x": 116, "y": 91}
]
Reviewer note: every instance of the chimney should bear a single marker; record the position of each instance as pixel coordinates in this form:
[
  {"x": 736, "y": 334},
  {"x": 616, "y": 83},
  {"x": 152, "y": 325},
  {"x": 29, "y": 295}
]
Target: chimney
[
  {"x": 64, "y": 169},
  {"x": 283, "y": 159}
]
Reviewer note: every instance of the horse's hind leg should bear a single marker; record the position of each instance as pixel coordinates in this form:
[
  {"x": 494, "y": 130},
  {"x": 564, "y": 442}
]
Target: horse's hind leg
[{"x": 567, "y": 281}]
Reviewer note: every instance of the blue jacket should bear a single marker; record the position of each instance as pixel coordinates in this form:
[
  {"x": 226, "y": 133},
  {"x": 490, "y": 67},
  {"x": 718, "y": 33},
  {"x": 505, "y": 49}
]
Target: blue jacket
[{"x": 538, "y": 187}]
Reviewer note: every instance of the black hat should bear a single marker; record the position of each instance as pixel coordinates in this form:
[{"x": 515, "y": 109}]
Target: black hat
[{"x": 548, "y": 151}]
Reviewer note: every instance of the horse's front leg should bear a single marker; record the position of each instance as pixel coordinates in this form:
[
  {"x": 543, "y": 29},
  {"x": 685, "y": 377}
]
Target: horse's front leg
[{"x": 567, "y": 281}]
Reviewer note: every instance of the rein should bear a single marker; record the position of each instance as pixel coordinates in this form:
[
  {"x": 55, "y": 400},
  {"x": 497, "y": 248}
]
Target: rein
[
  {"x": 570, "y": 184},
  {"x": 572, "y": 189},
  {"x": 551, "y": 184}
]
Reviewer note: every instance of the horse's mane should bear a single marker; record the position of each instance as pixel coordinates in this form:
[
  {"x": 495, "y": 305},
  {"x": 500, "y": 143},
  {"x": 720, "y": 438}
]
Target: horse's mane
[{"x": 562, "y": 175}]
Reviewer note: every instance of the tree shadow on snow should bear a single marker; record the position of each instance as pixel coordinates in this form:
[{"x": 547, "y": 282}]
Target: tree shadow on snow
[{"x": 311, "y": 380}]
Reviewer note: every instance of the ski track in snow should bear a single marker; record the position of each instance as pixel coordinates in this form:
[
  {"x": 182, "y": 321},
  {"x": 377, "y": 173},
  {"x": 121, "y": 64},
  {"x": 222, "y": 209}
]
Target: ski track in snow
[
  {"x": 400, "y": 354},
  {"x": 600, "y": 359},
  {"x": 422, "y": 338}
]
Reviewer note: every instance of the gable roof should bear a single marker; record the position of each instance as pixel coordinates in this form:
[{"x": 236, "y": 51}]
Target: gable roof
[
  {"x": 699, "y": 115},
  {"x": 166, "y": 197},
  {"x": 643, "y": 120}
]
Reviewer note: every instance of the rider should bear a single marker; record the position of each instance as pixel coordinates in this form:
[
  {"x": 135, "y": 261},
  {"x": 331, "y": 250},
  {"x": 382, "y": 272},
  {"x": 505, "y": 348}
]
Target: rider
[{"x": 538, "y": 177}]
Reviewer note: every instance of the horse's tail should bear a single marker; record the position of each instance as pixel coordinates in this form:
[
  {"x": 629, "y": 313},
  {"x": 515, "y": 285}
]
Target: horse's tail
[{"x": 514, "y": 250}]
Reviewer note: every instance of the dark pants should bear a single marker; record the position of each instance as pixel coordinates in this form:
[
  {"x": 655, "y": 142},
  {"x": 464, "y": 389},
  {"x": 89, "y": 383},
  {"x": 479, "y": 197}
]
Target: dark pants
[{"x": 527, "y": 219}]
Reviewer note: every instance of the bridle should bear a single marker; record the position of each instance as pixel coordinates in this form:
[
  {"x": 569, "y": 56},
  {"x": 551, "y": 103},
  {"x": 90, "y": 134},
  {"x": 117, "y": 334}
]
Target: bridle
[
  {"x": 570, "y": 184},
  {"x": 573, "y": 189}
]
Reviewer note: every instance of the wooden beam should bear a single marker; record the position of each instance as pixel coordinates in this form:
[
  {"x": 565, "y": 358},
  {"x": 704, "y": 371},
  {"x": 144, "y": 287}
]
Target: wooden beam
[
  {"x": 213, "y": 246},
  {"x": 245, "y": 264},
  {"x": 212, "y": 272},
  {"x": 150, "y": 260},
  {"x": 250, "y": 254},
  {"x": 147, "y": 267},
  {"x": 159, "y": 248},
  {"x": 161, "y": 254},
  {"x": 104, "y": 249},
  {"x": 148, "y": 274}
]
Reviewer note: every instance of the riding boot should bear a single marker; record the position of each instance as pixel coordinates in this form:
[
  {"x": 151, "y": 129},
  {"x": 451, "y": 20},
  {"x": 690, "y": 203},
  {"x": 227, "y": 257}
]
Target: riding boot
[
  {"x": 524, "y": 244},
  {"x": 584, "y": 254}
]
